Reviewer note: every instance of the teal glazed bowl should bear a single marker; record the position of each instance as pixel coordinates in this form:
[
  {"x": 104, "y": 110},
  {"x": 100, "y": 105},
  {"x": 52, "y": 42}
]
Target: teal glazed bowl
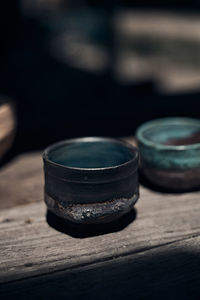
[{"x": 170, "y": 152}]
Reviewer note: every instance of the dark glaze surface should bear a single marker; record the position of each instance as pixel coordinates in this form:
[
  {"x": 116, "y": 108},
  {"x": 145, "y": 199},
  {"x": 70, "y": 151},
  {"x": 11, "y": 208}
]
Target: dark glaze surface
[{"x": 91, "y": 180}]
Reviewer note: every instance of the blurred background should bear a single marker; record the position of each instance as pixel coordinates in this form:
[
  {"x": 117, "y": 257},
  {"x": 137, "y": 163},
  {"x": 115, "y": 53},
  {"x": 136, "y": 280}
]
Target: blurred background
[{"x": 81, "y": 68}]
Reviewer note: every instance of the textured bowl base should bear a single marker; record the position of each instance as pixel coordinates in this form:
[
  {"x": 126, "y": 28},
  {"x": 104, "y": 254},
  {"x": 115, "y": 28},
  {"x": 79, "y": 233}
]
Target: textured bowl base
[
  {"x": 185, "y": 180},
  {"x": 94, "y": 213}
]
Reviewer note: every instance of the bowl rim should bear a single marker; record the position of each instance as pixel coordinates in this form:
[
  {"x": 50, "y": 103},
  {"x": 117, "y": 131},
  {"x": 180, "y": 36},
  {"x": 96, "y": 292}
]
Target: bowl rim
[
  {"x": 162, "y": 122},
  {"x": 134, "y": 150}
]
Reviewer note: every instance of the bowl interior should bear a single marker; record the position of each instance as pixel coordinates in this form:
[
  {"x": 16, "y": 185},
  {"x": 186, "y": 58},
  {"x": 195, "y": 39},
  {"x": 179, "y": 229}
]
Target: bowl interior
[
  {"x": 174, "y": 134},
  {"x": 91, "y": 154}
]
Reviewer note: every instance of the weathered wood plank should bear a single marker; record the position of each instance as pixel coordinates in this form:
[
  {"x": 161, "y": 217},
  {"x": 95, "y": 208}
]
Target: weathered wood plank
[
  {"x": 21, "y": 180},
  {"x": 159, "y": 248},
  {"x": 167, "y": 272},
  {"x": 30, "y": 247}
]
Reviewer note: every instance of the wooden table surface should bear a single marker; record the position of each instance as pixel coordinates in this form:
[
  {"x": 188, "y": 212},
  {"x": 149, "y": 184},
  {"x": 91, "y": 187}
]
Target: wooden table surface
[{"x": 154, "y": 252}]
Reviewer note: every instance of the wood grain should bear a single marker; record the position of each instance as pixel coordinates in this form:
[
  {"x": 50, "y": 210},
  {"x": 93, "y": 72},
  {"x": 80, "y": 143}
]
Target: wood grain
[
  {"x": 160, "y": 248},
  {"x": 21, "y": 180},
  {"x": 30, "y": 246},
  {"x": 167, "y": 272}
]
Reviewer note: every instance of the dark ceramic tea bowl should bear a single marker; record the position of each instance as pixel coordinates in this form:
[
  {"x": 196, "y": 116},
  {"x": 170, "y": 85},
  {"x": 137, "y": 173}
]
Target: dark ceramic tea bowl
[
  {"x": 170, "y": 152},
  {"x": 91, "y": 180}
]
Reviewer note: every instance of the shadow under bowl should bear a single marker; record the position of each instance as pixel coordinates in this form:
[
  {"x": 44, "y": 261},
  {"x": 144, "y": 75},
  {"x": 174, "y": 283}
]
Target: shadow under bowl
[
  {"x": 91, "y": 180},
  {"x": 170, "y": 153}
]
